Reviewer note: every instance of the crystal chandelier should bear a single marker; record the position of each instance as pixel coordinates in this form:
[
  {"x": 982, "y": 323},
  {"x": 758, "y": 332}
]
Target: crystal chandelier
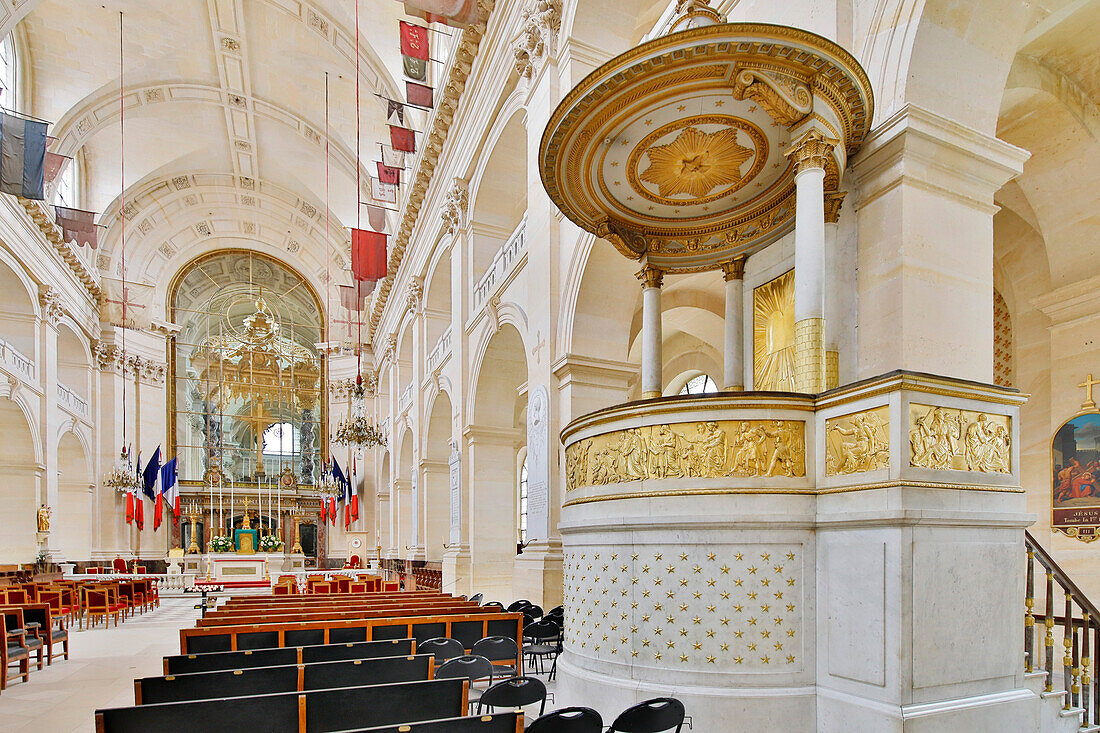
[
  {"x": 356, "y": 431},
  {"x": 328, "y": 485},
  {"x": 122, "y": 477}
]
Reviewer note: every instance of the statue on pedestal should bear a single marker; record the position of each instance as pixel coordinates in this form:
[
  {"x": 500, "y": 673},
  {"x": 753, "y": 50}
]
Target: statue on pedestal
[{"x": 44, "y": 518}]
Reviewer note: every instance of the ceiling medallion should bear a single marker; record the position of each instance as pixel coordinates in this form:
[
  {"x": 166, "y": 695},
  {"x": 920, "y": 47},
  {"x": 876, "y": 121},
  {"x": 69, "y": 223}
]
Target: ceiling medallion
[{"x": 687, "y": 169}]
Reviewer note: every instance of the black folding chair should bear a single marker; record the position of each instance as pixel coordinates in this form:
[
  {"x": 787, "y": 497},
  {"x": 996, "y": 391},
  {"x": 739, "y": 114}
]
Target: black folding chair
[
  {"x": 442, "y": 648},
  {"x": 469, "y": 666},
  {"x": 652, "y": 716},
  {"x": 514, "y": 693},
  {"x": 499, "y": 649},
  {"x": 568, "y": 720},
  {"x": 545, "y": 638}
]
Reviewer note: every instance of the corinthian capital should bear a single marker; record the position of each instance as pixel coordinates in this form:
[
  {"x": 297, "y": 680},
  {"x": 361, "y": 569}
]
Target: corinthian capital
[
  {"x": 52, "y": 309},
  {"x": 813, "y": 150},
  {"x": 456, "y": 204},
  {"x": 538, "y": 36}
]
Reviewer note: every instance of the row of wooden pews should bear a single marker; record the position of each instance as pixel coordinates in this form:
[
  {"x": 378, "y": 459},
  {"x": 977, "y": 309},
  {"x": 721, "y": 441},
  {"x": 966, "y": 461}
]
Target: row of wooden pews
[{"x": 320, "y": 662}]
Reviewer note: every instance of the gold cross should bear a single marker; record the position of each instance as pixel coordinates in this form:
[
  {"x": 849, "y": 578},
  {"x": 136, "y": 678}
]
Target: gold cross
[{"x": 1088, "y": 384}]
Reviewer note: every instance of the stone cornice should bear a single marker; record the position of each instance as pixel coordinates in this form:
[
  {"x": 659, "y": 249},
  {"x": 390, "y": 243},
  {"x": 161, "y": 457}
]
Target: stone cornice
[
  {"x": 52, "y": 234},
  {"x": 452, "y": 90},
  {"x": 1071, "y": 302}
]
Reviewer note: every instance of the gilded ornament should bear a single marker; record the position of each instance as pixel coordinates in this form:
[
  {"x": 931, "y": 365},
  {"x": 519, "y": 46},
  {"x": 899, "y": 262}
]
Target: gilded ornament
[
  {"x": 773, "y": 334},
  {"x": 697, "y": 162},
  {"x": 714, "y": 449},
  {"x": 858, "y": 442},
  {"x": 945, "y": 438}
]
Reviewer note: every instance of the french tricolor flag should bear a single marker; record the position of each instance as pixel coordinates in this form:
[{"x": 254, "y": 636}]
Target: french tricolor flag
[{"x": 169, "y": 491}]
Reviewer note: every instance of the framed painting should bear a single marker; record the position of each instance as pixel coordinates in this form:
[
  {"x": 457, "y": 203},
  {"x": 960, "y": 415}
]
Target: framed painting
[{"x": 1075, "y": 480}]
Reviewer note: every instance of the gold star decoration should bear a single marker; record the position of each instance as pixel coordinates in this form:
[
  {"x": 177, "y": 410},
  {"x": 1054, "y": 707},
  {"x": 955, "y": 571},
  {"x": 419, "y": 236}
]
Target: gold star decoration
[
  {"x": 697, "y": 645},
  {"x": 671, "y": 644},
  {"x": 657, "y": 656},
  {"x": 738, "y": 660},
  {"x": 683, "y": 657},
  {"x": 711, "y": 556},
  {"x": 657, "y": 557},
  {"x": 790, "y": 659},
  {"x": 710, "y": 633},
  {"x": 725, "y": 569},
  {"x": 766, "y": 659},
  {"x": 739, "y": 633},
  {"x": 739, "y": 556},
  {"x": 696, "y": 162},
  {"x": 683, "y": 556},
  {"x": 790, "y": 556},
  {"x": 725, "y": 647}
]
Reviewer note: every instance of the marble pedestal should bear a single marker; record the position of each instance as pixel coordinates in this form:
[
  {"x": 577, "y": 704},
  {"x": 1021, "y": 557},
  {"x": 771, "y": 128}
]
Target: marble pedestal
[
  {"x": 236, "y": 567},
  {"x": 773, "y": 568}
]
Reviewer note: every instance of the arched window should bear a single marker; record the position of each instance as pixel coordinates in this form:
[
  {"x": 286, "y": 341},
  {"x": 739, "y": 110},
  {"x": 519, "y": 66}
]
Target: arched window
[
  {"x": 65, "y": 189},
  {"x": 281, "y": 439},
  {"x": 9, "y": 74},
  {"x": 701, "y": 384},
  {"x": 523, "y": 503}
]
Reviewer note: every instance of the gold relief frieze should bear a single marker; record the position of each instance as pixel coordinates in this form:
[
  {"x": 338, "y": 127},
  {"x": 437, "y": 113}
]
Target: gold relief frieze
[
  {"x": 858, "y": 442},
  {"x": 946, "y": 438},
  {"x": 708, "y": 449}
]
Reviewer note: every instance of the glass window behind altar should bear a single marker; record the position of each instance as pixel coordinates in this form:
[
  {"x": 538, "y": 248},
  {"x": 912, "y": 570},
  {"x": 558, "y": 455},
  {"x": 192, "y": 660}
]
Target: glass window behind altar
[{"x": 247, "y": 397}]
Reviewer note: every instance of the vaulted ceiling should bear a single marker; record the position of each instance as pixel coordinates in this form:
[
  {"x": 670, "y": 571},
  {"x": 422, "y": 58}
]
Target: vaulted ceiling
[{"x": 225, "y": 120}]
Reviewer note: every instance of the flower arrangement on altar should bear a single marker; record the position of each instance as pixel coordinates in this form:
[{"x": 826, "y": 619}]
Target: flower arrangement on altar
[
  {"x": 201, "y": 588},
  {"x": 270, "y": 543},
  {"x": 221, "y": 543}
]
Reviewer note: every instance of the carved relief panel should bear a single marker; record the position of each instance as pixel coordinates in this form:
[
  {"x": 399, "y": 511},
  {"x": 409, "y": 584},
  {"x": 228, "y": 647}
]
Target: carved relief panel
[
  {"x": 711, "y": 449},
  {"x": 945, "y": 438},
  {"x": 858, "y": 442}
]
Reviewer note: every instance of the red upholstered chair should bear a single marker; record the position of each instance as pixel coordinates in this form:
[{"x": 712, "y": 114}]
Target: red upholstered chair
[
  {"x": 139, "y": 569},
  {"x": 91, "y": 571},
  {"x": 282, "y": 589},
  {"x": 358, "y": 587},
  {"x": 15, "y": 596},
  {"x": 119, "y": 565},
  {"x": 97, "y": 603},
  {"x": 354, "y": 563},
  {"x": 391, "y": 585}
]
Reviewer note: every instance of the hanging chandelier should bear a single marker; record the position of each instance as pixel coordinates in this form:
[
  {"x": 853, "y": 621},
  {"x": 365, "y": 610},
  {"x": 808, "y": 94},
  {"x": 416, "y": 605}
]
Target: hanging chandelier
[
  {"x": 328, "y": 486},
  {"x": 122, "y": 477},
  {"x": 356, "y": 430}
]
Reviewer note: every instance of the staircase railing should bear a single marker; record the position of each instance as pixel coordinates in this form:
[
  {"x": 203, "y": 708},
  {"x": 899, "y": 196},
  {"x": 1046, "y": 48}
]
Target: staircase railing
[{"x": 1079, "y": 629}]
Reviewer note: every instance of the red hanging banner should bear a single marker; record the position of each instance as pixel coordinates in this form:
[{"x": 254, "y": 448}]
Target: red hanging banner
[
  {"x": 389, "y": 174},
  {"x": 403, "y": 139},
  {"x": 414, "y": 40},
  {"x": 368, "y": 254},
  {"x": 419, "y": 95}
]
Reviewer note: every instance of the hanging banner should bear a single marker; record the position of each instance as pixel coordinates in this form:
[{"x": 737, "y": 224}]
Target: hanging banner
[
  {"x": 389, "y": 174},
  {"x": 458, "y": 13},
  {"x": 403, "y": 139},
  {"x": 419, "y": 95},
  {"x": 368, "y": 254},
  {"x": 382, "y": 193},
  {"x": 414, "y": 40}
]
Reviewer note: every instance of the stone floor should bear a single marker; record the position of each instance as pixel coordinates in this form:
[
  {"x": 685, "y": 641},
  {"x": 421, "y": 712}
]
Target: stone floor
[{"x": 100, "y": 672}]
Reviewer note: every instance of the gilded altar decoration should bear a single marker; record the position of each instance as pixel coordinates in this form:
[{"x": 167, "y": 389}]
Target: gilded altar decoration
[
  {"x": 1075, "y": 466},
  {"x": 858, "y": 442},
  {"x": 696, "y": 162},
  {"x": 945, "y": 438},
  {"x": 711, "y": 449},
  {"x": 773, "y": 334}
]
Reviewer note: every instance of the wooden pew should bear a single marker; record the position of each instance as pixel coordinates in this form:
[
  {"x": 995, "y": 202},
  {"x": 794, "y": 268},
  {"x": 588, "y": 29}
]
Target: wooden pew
[
  {"x": 329, "y": 598},
  {"x": 290, "y": 678},
  {"x": 317, "y": 711},
  {"x": 466, "y": 628},
  {"x": 496, "y": 723},
  {"x": 217, "y": 661},
  {"x": 289, "y": 616}
]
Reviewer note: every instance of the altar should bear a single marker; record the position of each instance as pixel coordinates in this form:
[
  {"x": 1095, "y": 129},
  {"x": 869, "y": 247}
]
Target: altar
[{"x": 232, "y": 566}]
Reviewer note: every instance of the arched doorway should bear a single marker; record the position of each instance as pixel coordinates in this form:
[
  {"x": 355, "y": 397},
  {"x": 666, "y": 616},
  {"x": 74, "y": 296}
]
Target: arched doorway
[
  {"x": 19, "y": 489},
  {"x": 72, "y": 517}
]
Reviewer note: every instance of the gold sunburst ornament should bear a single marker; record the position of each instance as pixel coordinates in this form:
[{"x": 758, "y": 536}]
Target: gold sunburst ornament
[{"x": 696, "y": 162}]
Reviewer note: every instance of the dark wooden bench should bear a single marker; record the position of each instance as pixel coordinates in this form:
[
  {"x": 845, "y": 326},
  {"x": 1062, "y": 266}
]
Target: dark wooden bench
[
  {"x": 466, "y": 628},
  {"x": 276, "y": 657},
  {"x": 496, "y": 723},
  {"x": 318, "y": 711},
  {"x": 289, "y": 678},
  {"x": 412, "y": 609}
]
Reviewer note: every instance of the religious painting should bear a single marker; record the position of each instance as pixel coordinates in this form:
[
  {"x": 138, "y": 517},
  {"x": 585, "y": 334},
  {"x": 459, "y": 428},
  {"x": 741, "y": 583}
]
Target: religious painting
[
  {"x": 1075, "y": 462},
  {"x": 773, "y": 334}
]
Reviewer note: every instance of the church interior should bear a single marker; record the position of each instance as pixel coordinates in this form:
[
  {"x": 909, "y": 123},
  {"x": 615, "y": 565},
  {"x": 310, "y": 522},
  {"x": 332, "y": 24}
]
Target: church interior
[{"x": 568, "y": 366}]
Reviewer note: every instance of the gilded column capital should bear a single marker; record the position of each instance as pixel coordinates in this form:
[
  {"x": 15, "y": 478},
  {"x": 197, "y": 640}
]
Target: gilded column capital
[
  {"x": 651, "y": 277},
  {"x": 734, "y": 269},
  {"x": 812, "y": 150},
  {"x": 833, "y": 201}
]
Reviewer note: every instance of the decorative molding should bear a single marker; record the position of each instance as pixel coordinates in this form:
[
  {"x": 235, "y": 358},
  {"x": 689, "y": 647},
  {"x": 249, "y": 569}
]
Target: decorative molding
[
  {"x": 812, "y": 150},
  {"x": 538, "y": 39},
  {"x": 52, "y": 234},
  {"x": 463, "y": 60},
  {"x": 833, "y": 201},
  {"x": 414, "y": 295},
  {"x": 110, "y": 357}
]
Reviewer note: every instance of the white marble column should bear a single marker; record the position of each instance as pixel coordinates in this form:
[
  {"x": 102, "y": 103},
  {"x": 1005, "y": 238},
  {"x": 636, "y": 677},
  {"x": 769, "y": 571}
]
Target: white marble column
[
  {"x": 733, "y": 370},
  {"x": 810, "y": 154},
  {"x": 652, "y": 382}
]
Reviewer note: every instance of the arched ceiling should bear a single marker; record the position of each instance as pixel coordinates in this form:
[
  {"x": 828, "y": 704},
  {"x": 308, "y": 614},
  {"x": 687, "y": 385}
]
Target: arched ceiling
[
  {"x": 225, "y": 118},
  {"x": 1051, "y": 107}
]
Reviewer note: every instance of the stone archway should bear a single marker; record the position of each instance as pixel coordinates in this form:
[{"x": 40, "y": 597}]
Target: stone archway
[
  {"x": 72, "y": 519},
  {"x": 19, "y": 494}
]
